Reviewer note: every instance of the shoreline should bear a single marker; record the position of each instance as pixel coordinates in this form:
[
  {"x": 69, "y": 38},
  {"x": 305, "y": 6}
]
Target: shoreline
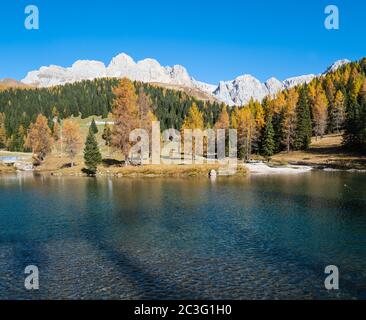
[{"x": 244, "y": 170}]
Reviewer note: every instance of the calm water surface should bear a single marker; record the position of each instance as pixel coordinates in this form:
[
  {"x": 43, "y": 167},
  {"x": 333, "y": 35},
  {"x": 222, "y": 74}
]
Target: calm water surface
[{"x": 248, "y": 238}]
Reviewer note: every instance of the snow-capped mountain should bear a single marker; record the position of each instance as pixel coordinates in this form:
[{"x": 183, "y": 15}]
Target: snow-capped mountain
[
  {"x": 240, "y": 90},
  {"x": 336, "y": 65},
  {"x": 148, "y": 70},
  {"x": 205, "y": 87},
  {"x": 234, "y": 92}
]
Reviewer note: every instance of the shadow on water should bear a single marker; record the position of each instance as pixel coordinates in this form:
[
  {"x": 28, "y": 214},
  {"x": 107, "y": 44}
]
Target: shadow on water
[{"x": 148, "y": 285}]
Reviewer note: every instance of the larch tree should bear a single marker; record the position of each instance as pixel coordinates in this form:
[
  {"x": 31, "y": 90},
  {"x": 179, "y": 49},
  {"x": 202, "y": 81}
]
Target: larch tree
[
  {"x": 3, "y": 138},
  {"x": 338, "y": 111},
  {"x": 72, "y": 143},
  {"x": 125, "y": 114},
  {"x": 56, "y": 131},
  {"x": 289, "y": 118},
  {"x": 278, "y": 103},
  {"x": 243, "y": 120},
  {"x": 223, "y": 123},
  {"x": 320, "y": 112},
  {"x": 237, "y": 123},
  {"x": 145, "y": 113},
  {"x": 249, "y": 127},
  {"x": 39, "y": 138},
  {"x": 194, "y": 120}
]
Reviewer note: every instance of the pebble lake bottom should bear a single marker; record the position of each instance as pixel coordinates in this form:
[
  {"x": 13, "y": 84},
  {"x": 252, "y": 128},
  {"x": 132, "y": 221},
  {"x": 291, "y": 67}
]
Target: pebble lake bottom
[{"x": 262, "y": 237}]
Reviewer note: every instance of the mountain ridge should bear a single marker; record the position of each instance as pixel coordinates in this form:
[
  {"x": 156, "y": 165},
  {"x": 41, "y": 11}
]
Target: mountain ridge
[{"x": 233, "y": 92}]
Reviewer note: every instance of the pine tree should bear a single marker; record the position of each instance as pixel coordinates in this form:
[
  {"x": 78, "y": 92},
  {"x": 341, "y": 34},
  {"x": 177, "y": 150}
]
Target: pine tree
[
  {"x": 268, "y": 143},
  {"x": 303, "y": 131},
  {"x": 92, "y": 155},
  {"x": 93, "y": 127},
  {"x": 16, "y": 141}
]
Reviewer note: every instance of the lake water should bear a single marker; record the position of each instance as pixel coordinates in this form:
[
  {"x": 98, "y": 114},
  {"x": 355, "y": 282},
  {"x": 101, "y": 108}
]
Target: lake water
[{"x": 262, "y": 237}]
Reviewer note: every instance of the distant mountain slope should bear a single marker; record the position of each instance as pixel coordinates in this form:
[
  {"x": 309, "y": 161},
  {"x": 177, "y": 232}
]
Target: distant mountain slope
[{"x": 11, "y": 83}]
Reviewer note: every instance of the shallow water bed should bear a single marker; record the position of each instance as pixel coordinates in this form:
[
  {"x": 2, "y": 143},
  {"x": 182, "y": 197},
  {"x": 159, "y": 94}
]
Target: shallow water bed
[{"x": 241, "y": 238}]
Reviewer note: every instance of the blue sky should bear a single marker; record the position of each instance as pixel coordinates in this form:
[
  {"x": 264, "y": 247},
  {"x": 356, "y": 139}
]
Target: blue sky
[{"x": 214, "y": 40}]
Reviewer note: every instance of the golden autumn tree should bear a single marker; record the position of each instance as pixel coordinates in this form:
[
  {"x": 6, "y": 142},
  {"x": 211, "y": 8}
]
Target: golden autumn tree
[
  {"x": 249, "y": 125},
  {"x": 338, "y": 110},
  {"x": 237, "y": 123},
  {"x": 258, "y": 114},
  {"x": 71, "y": 139},
  {"x": 278, "y": 103},
  {"x": 145, "y": 113},
  {"x": 125, "y": 115},
  {"x": 2, "y": 131},
  {"x": 223, "y": 123},
  {"x": 289, "y": 118},
  {"x": 193, "y": 121},
  {"x": 56, "y": 131},
  {"x": 320, "y": 112},
  {"x": 39, "y": 138},
  {"x": 243, "y": 120}
]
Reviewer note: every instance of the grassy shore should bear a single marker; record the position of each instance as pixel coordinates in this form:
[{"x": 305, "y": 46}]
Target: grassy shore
[
  {"x": 6, "y": 169},
  {"x": 113, "y": 167},
  {"x": 326, "y": 152}
]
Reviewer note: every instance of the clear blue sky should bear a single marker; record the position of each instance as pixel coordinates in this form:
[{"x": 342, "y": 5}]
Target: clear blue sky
[{"x": 215, "y": 40}]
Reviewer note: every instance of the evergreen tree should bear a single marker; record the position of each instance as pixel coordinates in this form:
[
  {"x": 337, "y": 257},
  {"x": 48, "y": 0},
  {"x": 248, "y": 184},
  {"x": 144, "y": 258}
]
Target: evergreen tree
[
  {"x": 92, "y": 155},
  {"x": 303, "y": 131},
  {"x": 16, "y": 142},
  {"x": 268, "y": 143},
  {"x": 93, "y": 127}
]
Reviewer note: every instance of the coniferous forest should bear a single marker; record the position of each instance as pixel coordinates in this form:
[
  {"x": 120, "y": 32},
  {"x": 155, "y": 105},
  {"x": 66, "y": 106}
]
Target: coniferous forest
[{"x": 332, "y": 103}]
